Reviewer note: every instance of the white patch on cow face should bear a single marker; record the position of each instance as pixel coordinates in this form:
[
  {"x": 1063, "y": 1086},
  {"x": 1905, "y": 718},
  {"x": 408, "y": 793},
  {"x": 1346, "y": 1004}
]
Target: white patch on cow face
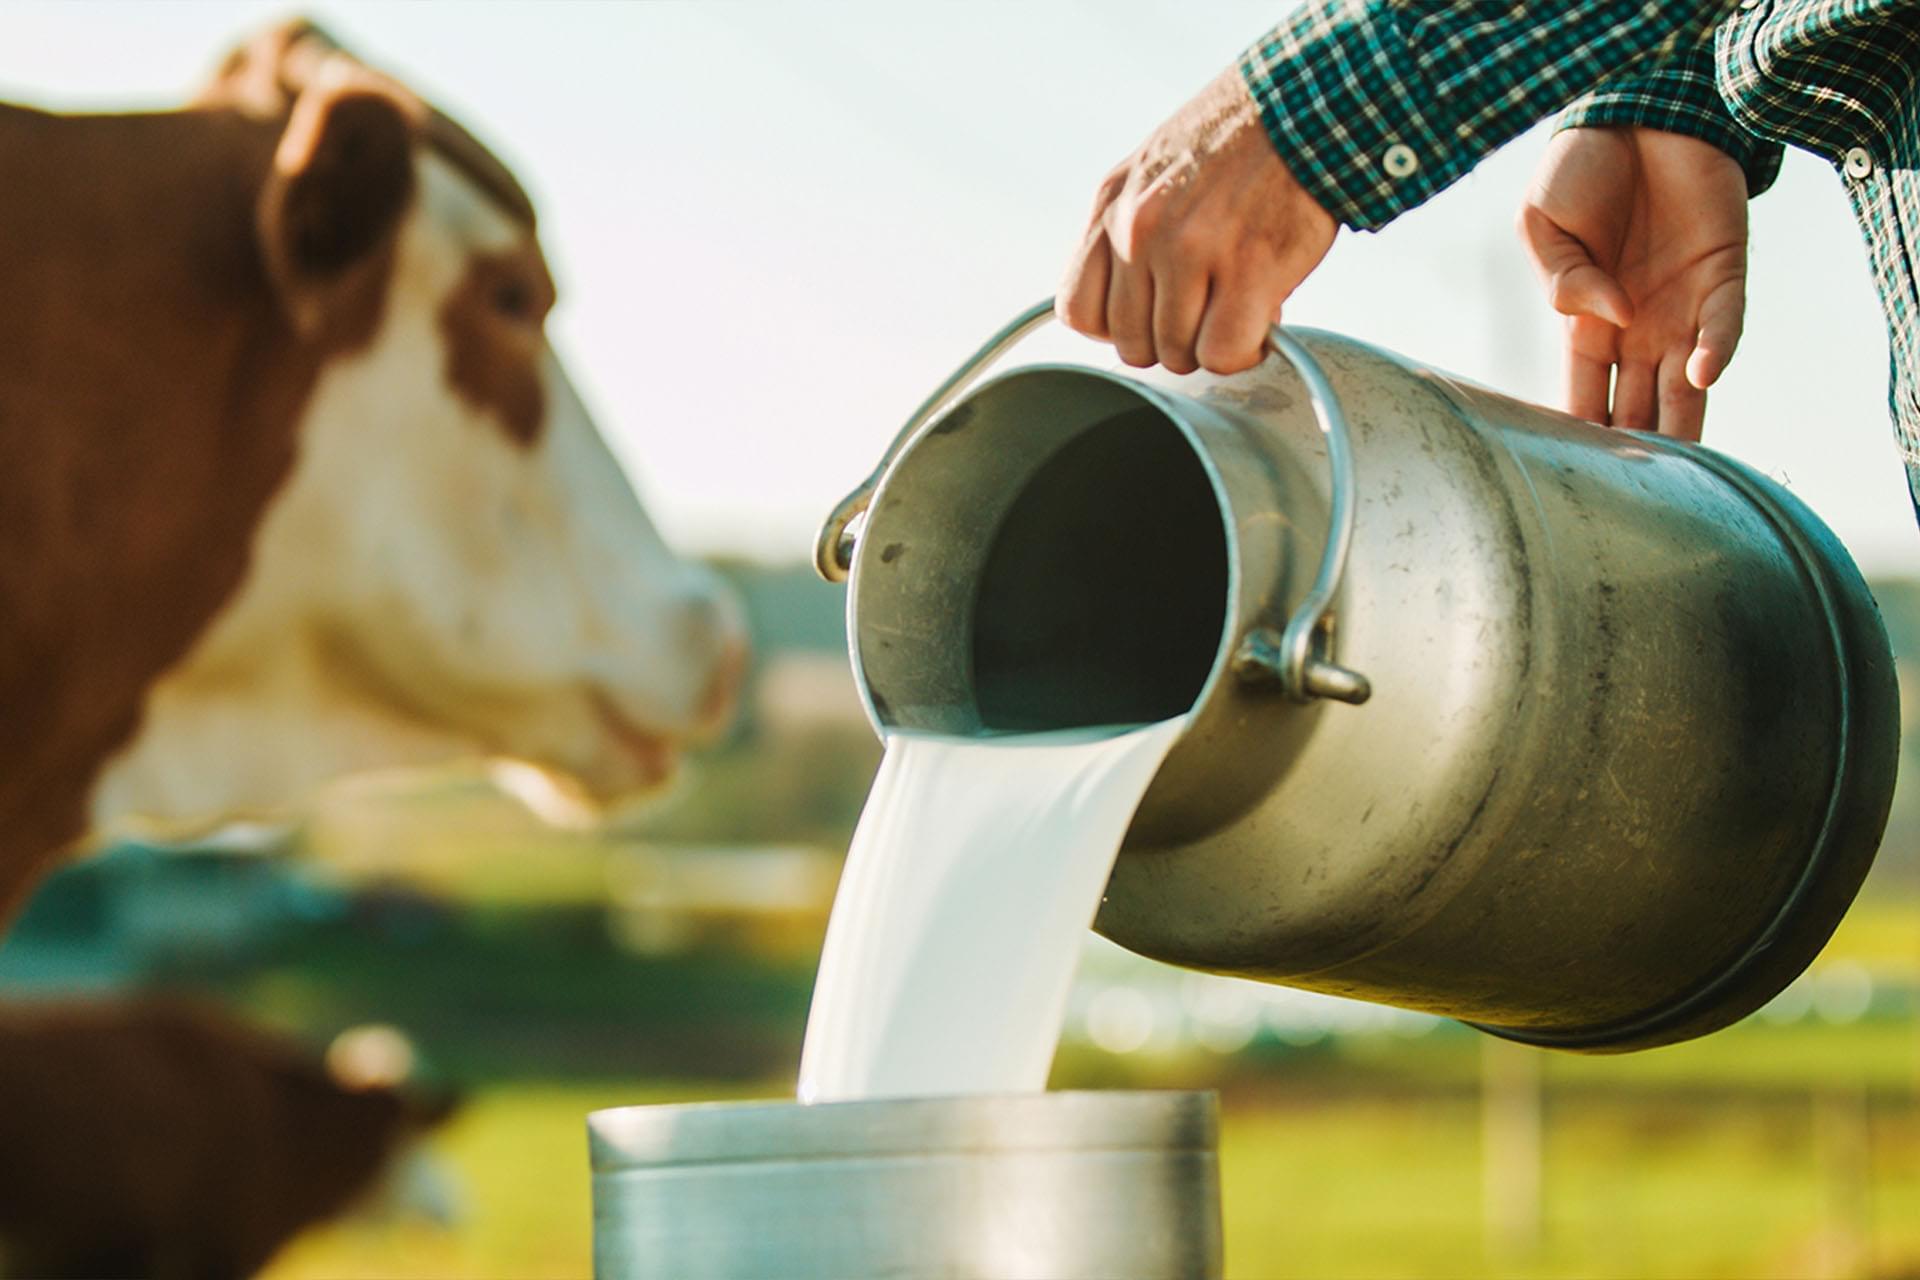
[{"x": 428, "y": 586}]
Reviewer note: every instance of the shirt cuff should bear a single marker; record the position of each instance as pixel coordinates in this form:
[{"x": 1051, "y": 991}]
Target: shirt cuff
[
  {"x": 1338, "y": 108},
  {"x": 1377, "y": 105},
  {"x": 1679, "y": 96}
]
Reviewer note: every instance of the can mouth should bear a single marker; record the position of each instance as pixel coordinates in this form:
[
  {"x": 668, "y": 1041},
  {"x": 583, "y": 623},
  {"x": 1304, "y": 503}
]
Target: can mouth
[{"x": 1051, "y": 554}]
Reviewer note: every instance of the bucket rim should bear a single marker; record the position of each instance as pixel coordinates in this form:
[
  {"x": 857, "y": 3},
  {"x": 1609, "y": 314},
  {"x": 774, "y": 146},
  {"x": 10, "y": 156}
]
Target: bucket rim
[{"x": 757, "y": 1131}]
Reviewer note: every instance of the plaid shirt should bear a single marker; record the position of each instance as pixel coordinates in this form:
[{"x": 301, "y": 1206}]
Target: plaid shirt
[{"x": 1379, "y": 104}]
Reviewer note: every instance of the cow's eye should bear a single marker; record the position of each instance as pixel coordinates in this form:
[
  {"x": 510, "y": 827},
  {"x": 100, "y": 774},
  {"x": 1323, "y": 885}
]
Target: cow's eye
[{"x": 512, "y": 299}]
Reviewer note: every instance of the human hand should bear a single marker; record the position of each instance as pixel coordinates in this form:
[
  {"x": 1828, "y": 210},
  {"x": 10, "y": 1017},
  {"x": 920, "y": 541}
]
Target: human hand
[
  {"x": 1640, "y": 238},
  {"x": 1195, "y": 241}
]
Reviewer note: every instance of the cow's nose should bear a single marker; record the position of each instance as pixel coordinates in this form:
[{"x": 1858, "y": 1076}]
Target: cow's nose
[
  {"x": 712, "y": 627},
  {"x": 708, "y": 618},
  {"x": 715, "y": 708}
]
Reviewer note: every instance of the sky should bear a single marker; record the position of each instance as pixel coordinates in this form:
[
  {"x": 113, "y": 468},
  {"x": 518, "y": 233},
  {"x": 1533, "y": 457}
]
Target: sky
[{"x": 777, "y": 225}]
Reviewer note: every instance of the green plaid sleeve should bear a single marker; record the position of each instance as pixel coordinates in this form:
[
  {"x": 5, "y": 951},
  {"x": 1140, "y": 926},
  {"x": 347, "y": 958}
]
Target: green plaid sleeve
[
  {"x": 1377, "y": 105},
  {"x": 1678, "y": 95}
]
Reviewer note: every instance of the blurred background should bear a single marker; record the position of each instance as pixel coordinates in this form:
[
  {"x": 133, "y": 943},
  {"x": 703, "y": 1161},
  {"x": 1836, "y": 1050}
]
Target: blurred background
[{"x": 776, "y": 227}]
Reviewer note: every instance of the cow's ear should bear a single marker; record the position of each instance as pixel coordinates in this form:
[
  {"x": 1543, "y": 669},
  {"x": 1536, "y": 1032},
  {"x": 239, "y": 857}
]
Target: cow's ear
[{"x": 342, "y": 177}]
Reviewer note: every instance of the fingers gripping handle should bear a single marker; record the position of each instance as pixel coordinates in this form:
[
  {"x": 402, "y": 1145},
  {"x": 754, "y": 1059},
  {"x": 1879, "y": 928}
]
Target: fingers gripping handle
[{"x": 1298, "y": 656}]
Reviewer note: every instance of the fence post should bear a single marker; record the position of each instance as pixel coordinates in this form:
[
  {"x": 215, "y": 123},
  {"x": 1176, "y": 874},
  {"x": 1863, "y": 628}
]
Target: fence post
[{"x": 1510, "y": 1148}]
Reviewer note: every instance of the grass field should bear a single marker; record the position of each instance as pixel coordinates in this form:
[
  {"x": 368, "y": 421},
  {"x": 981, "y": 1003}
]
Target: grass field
[
  {"x": 1635, "y": 1184},
  {"x": 1775, "y": 1148},
  {"x": 1786, "y": 1146}
]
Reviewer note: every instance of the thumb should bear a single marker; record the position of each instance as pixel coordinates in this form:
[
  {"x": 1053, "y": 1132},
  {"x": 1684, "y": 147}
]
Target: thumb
[
  {"x": 1576, "y": 286},
  {"x": 1721, "y": 319}
]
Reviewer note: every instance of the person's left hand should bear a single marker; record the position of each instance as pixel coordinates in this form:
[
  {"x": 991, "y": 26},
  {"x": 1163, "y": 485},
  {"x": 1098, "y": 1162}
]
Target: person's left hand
[
  {"x": 1640, "y": 238},
  {"x": 1195, "y": 241}
]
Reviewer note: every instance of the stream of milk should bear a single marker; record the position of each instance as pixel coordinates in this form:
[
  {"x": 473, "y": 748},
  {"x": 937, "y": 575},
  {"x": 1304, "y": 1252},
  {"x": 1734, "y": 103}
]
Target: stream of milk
[{"x": 974, "y": 874}]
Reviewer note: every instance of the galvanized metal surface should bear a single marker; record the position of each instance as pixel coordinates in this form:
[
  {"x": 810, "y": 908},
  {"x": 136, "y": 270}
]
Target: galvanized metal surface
[
  {"x": 1055, "y": 1186},
  {"x": 1633, "y": 727}
]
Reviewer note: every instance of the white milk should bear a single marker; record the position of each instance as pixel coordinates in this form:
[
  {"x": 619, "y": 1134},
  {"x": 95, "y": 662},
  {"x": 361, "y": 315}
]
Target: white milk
[{"x": 973, "y": 877}]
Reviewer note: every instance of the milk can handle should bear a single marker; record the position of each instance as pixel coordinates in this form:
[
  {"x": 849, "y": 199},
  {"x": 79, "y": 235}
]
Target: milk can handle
[
  {"x": 833, "y": 548},
  {"x": 1298, "y": 657}
]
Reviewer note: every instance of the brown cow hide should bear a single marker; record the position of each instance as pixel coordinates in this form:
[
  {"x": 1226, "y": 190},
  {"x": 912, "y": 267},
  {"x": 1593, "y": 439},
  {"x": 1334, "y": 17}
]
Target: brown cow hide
[
  {"x": 174, "y": 282},
  {"x": 166, "y": 1140}
]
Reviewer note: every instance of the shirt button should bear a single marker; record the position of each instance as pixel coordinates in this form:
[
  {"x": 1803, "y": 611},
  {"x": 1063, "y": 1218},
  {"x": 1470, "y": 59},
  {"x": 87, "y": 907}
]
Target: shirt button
[
  {"x": 1859, "y": 162},
  {"x": 1400, "y": 160}
]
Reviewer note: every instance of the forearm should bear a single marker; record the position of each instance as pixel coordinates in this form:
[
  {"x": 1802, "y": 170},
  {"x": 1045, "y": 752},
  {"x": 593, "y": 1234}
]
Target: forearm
[
  {"x": 1378, "y": 105},
  {"x": 1678, "y": 95}
]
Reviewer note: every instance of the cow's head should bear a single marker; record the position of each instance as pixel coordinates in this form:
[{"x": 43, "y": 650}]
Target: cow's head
[{"x": 456, "y": 565}]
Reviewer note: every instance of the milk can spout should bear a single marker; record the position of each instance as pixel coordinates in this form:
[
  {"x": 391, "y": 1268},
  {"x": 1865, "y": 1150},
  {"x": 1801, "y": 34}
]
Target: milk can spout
[{"x": 1294, "y": 653}]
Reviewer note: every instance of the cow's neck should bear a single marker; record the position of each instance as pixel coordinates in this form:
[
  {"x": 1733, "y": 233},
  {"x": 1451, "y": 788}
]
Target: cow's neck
[{"x": 149, "y": 395}]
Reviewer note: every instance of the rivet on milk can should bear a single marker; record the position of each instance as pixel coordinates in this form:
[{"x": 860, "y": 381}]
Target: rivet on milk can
[
  {"x": 1041, "y": 1186},
  {"x": 1584, "y": 736}
]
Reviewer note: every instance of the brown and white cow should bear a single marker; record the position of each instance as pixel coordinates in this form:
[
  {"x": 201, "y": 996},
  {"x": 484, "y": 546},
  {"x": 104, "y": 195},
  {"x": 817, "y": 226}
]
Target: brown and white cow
[{"x": 291, "y": 482}]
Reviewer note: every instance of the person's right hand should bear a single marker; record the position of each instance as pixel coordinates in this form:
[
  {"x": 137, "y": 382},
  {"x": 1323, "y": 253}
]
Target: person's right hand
[
  {"x": 1195, "y": 241},
  {"x": 1640, "y": 238}
]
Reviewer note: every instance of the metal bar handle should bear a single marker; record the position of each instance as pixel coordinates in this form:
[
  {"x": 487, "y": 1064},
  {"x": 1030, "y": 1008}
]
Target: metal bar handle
[
  {"x": 833, "y": 546},
  {"x": 1299, "y": 656}
]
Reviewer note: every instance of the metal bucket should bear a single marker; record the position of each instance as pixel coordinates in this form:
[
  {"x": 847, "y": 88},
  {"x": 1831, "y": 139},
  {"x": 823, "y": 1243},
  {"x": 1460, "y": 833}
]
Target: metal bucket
[
  {"x": 1585, "y": 736},
  {"x": 1047, "y": 1186}
]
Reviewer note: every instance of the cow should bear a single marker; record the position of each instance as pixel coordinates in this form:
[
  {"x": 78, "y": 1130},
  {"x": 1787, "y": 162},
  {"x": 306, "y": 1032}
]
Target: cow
[
  {"x": 163, "y": 1139},
  {"x": 291, "y": 482},
  {"x": 292, "y": 485}
]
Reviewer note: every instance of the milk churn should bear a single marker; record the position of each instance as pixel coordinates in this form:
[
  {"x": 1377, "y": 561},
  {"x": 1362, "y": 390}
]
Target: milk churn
[{"x": 1584, "y": 736}]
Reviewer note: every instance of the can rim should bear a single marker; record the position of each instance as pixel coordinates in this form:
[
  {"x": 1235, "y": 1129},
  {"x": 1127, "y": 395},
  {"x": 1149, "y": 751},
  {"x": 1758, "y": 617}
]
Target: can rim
[{"x": 1015, "y": 381}]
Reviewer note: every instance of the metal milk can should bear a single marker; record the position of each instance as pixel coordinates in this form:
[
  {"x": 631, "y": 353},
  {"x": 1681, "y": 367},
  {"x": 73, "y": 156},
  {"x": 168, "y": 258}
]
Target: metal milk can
[
  {"x": 1038, "y": 1186},
  {"x": 1584, "y": 736}
]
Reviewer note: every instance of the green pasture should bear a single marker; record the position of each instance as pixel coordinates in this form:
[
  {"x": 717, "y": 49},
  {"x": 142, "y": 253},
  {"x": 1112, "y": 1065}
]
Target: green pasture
[
  {"x": 1770, "y": 1149},
  {"x": 1315, "y": 1185},
  {"x": 498, "y": 994},
  {"x": 1786, "y": 1146}
]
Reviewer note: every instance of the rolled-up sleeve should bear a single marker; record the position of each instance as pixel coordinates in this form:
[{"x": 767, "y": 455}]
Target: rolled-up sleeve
[{"x": 1378, "y": 105}]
